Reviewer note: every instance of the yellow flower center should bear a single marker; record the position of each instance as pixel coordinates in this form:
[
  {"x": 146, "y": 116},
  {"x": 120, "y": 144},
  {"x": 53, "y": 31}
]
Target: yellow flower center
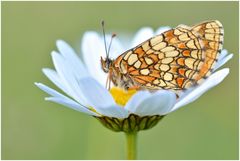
[{"x": 121, "y": 96}]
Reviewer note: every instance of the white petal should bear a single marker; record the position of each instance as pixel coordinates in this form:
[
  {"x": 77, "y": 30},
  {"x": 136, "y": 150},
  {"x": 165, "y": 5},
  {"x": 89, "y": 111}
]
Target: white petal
[
  {"x": 159, "y": 103},
  {"x": 142, "y": 35},
  {"x": 223, "y": 61},
  {"x": 113, "y": 111},
  {"x": 72, "y": 105},
  {"x": 68, "y": 78},
  {"x": 95, "y": 93},
  {"x": 194, "y": 93},
  {"x": 162, "y": 29},
  {"x": 101, "y": 100},
  {"x": 135, "y": 100},
  {"x": 53, "y": 76},
  {"x": 72, "y": 59},
  {"x": 61, "y": 99},
  {"x": 93, "y": 49},
  {"x": 48, "y": 90}
]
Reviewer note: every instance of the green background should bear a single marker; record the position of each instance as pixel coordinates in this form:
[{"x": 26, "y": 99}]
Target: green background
[{"x": 35, "y": 129}]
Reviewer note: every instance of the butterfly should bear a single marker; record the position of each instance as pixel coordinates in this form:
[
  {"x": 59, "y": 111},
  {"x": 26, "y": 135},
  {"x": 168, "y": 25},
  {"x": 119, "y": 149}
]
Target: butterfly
[{"x": 173, "y": 60}]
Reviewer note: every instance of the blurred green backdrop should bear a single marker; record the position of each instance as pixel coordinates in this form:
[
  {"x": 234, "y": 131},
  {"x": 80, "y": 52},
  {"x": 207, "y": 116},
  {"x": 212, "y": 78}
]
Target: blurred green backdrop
[{"x": 35, "y": 129}]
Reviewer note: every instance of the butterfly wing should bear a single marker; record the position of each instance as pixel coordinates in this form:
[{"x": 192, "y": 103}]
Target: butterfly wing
[
  {"x": 211, "y": 36},
  {"x": 175, "y": 59}
]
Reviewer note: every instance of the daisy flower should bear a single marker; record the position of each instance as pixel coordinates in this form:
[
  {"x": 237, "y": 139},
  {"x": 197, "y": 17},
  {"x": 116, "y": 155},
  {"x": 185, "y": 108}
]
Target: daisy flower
[{"x": 82, "y": 86}]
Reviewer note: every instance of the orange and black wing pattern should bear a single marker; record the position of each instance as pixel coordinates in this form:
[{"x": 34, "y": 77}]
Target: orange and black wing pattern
[{"x": 175, "y": 59}]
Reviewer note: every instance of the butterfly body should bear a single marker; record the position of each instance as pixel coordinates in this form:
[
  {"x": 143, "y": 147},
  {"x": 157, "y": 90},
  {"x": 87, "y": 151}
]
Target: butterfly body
[
  {"x": 176, "y": 59},
  {"x": 117, "y": 77}
]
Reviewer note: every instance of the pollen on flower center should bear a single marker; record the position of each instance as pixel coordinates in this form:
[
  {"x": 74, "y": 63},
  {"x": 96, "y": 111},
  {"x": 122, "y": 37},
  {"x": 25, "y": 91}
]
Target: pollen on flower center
[{"x": 121, "y": 96}]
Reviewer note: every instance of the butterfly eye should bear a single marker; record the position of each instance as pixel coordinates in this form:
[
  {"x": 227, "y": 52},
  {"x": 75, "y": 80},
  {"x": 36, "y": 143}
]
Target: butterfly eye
[{"x": 108, "y": 63}]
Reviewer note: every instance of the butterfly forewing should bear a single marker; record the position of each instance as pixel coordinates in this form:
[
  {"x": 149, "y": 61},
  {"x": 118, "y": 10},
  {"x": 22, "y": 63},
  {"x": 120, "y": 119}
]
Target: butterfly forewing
[{"x": 175, "y": 59}]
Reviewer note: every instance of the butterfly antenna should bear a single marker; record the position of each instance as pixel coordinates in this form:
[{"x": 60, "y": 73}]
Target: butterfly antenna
[
  {"x": 113, "y": 35},
  {"x": 104, "y": 37}
]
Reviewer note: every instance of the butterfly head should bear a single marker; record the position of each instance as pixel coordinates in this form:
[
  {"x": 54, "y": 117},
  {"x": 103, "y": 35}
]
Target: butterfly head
[{"x": 106, "y": 64}]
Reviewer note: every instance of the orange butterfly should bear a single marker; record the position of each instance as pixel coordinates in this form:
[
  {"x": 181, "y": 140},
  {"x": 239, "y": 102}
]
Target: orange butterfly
[{"x": 176, "y": 59}]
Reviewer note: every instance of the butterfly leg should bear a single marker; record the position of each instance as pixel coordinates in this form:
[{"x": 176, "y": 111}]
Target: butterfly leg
[{"x": 108, "y": 82}]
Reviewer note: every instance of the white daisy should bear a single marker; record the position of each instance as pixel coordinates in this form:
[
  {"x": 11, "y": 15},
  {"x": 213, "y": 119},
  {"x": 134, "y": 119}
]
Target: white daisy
[{"x": 83, "y": 89}]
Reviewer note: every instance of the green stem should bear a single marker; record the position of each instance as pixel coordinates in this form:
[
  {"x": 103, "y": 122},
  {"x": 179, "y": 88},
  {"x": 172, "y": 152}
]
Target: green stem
[{"x": 131, "y": 145}]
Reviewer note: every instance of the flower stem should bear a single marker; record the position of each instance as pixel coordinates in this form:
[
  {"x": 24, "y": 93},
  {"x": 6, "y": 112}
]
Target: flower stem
[{"x": 131, "y": 145}]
